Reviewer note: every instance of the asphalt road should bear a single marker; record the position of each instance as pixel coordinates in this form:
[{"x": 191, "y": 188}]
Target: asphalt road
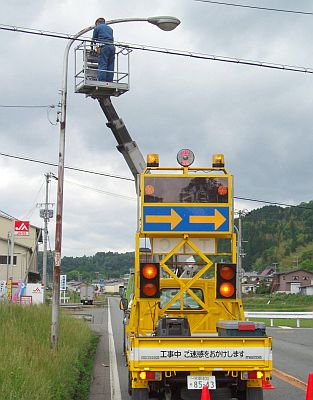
[{"x": 292, "y": 355}]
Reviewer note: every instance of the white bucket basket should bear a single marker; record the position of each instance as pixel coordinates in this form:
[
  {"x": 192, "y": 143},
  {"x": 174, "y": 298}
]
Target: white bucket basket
[{"x": 86, "y": 71}]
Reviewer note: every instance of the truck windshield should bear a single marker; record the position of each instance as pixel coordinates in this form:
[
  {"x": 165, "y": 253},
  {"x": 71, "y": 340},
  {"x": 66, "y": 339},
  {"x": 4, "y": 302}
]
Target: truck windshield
[
  {"x": 185, "y": 190},
  {"x": 189, "y": 302}
]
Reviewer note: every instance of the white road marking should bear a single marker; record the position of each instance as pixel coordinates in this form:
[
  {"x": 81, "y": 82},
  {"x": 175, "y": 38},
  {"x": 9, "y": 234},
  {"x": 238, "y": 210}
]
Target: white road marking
[{"x": 114, "y": 380}]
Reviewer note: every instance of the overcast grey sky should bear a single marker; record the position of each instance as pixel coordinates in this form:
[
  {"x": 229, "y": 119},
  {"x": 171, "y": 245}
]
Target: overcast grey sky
[{"x": 260, "y": 119}]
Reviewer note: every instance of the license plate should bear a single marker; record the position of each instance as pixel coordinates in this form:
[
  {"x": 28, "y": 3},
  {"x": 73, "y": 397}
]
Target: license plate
[{"x": 197, "y": 382}]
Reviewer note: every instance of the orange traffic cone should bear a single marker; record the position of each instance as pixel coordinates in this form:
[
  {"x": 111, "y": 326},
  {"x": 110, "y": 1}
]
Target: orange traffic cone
[
  {"x": 267, "y": 385},
  {"x": 309, "y": 390},
  {"x": 205, "y": 394}
]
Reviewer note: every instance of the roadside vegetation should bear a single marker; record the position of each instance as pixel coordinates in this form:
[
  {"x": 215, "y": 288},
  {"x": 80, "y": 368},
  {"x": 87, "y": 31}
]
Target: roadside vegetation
[
  {"x": 283, "y": 303},
  {"x": 29, "y": 369},
  {"x": 278, "y": 302}
]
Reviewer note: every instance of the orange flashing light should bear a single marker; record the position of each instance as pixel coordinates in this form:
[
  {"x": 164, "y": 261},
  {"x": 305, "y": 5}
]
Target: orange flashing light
[
  {"x": 225, "y": 276},
  {"x": 227, "y": 289},
  {"x": 149, "y": 271},
  {"x": 149, "y": 280},
  {"x": 149, "y": 189},
  {"x": 149, "y": 289},
  {"x": 227, "y": 272},
  {"x": 222, "y": 190}
]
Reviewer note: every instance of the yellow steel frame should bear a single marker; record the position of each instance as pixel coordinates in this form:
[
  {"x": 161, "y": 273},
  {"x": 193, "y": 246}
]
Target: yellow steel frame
[{"x": 145, "y": 312}]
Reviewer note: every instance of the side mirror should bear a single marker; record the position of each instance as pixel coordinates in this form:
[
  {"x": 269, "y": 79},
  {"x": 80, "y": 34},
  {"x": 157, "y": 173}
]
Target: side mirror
[{"x": 123, "y": 304}]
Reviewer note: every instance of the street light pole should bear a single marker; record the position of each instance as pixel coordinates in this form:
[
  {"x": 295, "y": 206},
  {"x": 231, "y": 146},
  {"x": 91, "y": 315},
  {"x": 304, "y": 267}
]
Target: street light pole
[{"x": 164, "y": 23}]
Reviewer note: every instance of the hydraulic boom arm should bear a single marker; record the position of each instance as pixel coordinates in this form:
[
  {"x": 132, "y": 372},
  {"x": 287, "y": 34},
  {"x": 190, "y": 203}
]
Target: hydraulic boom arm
[{"x": 126, "y": 145}]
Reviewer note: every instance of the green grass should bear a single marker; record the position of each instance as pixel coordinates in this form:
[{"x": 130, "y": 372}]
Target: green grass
[
  {"x": 292, "y": 323},
  {"x": 29, "y": 369},
  {"x": 283, "y": 303},
  {"x": 279, "y": 302}
]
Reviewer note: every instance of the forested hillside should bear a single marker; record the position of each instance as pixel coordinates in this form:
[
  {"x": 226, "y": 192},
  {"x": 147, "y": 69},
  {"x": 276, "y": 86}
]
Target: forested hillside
[
  {"x": 279, "y": 235},
  {"x": 101, "y": 265},
  {"x": 273, "y": 235}
]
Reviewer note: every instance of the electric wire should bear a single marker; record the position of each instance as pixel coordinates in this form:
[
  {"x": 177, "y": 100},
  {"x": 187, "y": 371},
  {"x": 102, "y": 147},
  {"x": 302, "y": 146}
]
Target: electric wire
[
  {"x": 283, "y": 10},
  {"x": 101, "y": 191},
  {"x": 131, "y": 179},
  {"x": 67, "y": 167},
  {"x": 48, "y": 117},
  {"x": 183, "y": 53},
  {"x": 225, "y": 59},
  {"x": 272, "y": 203},
  {"x": 26, "y": 106},
  {"x": 47, "y": 107},
  {"x": 29, "y": 214},
  {"x": 31, "y": 211}
]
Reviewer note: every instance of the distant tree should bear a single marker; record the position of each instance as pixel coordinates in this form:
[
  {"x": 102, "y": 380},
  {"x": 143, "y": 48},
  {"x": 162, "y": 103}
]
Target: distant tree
[{"x": 263, "y": 288}]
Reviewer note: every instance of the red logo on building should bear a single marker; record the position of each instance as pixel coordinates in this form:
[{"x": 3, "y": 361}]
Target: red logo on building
[{"x": 21, "y": 228}]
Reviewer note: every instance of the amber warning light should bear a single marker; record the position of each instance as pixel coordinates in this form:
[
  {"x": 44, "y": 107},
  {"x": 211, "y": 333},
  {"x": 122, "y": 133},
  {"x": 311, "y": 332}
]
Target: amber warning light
[
  {"x": 152, "y": 160},
  {"x": 149, "y": 280},
  {"x": 225, "y": 276},
  {"x": 218, "y": 161}
]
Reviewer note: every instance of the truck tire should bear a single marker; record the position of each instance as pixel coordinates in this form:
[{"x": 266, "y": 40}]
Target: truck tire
[
  {"x": 254, "y": 393},
  {"x": 139, "y": 394}
]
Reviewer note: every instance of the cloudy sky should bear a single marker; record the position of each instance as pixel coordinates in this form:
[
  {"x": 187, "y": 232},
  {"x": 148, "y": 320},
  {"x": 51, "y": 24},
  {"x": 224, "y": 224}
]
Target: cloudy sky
[{"x": 261, "y": 119}]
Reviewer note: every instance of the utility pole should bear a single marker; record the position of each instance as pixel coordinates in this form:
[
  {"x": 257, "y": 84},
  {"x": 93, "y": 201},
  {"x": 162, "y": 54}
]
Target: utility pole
[
  {"x": 11, "y": 255},
  {"x": 275, "y": 266},
  {"x": 46, "y": 213},
  {"x": 10, "y": 265},
  {"x": 240, "y": 253},
  {"x": 8, "y": 254}
]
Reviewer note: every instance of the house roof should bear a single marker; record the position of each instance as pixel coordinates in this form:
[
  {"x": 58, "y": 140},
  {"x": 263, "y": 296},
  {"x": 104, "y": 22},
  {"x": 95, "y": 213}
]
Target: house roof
[
  {"x": 250, "y": 274},
  {"x": 9, "y": 217},
  {"x": 267, "y": 271},
  {"x": 294, "y": 270}
]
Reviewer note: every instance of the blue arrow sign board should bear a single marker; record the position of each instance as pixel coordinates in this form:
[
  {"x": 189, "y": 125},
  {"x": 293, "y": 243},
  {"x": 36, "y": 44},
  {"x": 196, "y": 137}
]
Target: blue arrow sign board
[{"x": 186, "y": 219}]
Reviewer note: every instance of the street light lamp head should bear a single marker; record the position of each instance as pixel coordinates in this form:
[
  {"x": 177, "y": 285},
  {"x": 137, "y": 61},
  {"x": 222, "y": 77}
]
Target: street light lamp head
[{"x": 164, "y": 23}]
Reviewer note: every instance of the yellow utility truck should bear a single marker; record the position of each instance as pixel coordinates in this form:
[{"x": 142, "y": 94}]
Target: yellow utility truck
[
  {"x": 184, "y": 320},
  {"x": 183, "y": 316}
]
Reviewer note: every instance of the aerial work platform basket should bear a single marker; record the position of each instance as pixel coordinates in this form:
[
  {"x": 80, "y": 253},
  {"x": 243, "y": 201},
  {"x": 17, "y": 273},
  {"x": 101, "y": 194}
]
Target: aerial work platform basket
[{"x": 86, "y": 71}]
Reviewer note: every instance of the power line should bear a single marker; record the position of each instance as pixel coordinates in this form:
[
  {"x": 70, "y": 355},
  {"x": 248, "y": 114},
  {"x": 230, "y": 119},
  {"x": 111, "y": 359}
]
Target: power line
[
  {"x": 26, "y": 106},
  {"x": 131, "y": 179},
  {"x": 31, "y": 211},
  {"x": 212, "y": 57},
  {"x": 183, "y": 53},
  {"x": 37, "y": 32},
  {"x": 272, "y": 203},
  {"x": 122, "y": 196},
  {"x": 256, "y": 7},
  {"x": 67, "y": 167}
]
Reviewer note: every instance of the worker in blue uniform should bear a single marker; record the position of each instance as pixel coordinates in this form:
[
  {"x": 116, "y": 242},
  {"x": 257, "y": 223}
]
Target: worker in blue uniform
[{"x": 103, "y": 35}]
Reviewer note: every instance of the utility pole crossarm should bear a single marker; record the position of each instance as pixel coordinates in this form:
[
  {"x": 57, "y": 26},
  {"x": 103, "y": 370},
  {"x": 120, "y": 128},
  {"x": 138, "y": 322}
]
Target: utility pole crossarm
[{"x": 126, "y": 145}]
